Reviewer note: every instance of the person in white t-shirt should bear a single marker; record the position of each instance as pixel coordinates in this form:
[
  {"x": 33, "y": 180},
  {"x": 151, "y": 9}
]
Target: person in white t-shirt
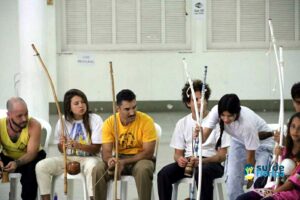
[
  {"x": 252, "y": 141},
  {"x": 83, "y": 133},
  {"x": 295, "y": 93},
  {"x": 213, "y": 154}
]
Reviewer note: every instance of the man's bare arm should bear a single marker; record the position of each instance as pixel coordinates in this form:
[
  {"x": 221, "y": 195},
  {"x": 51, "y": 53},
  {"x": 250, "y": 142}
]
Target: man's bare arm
[
  {"x": 288, "y": 185},
  {"x": 178, "y": 153},
  {"x": 33, "y": 146},
  {"x": 264, "y": 135},
  {"x": 218, "y": 158},
  {"x": 250, "y": 157},
  {"x": 34, "y": 142},
  {"x": 206, "y": 132},
  {"x": 107, "y": 149},
  {"x": 146, "y": 153},
  {"x": 179, "y": 158}
]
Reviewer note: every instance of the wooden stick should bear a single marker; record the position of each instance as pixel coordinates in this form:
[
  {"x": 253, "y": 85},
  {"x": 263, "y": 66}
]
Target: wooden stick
[
  {"x": 60, "y": 117},
  {"x": 115, "y": 130}
]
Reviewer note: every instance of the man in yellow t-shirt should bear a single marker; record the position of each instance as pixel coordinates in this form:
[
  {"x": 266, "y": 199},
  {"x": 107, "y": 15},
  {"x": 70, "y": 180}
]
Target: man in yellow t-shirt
[
  {"x": 136, "y": 143},
  {"x": 20, "y": 141}
]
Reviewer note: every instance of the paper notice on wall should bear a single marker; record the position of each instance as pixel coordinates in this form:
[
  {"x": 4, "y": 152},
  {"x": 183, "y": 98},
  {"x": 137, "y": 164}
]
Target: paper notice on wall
[
  {"x": 198, "y": 9},
  {"x": 85, "y": 59}
]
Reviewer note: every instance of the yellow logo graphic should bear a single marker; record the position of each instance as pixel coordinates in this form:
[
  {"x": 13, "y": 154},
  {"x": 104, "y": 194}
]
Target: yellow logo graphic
[{"x": 249, "y": 172}]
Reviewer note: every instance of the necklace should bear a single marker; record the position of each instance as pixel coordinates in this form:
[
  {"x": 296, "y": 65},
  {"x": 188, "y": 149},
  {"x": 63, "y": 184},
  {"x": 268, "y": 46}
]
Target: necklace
[
  {"x": 16, "y": 131},
  {"x": 14, "y": 136}
]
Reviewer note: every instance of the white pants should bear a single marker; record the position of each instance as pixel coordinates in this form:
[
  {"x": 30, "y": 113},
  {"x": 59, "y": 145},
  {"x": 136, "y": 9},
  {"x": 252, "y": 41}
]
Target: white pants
[
  {"x": 54, "y": 166},
  {"x": 237, "y": 162}
]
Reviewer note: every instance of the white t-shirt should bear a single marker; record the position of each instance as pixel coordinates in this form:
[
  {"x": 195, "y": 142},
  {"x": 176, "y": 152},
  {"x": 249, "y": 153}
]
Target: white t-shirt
[
  {"x": 245, "y": 129},
  {"x": 183, "y": 136},
  {"x": 76, "y": 130}
]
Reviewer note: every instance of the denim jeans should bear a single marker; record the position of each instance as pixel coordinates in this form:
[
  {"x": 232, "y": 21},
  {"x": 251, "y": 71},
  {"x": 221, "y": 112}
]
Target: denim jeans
[{"x": 237, "y": 162}]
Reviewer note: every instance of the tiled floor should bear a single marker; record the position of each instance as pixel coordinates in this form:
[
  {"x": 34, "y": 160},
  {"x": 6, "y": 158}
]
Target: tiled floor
[{"x": 165, "y": 155}]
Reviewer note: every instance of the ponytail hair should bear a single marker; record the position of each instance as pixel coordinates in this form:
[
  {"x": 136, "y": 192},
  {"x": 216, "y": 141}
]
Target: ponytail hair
[
  {"x": 219, "y": 141},
  {"x": 230, "y": 103}
]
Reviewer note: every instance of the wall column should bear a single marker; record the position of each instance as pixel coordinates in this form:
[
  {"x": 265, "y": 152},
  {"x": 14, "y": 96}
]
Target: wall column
[{"x": 33, "y": 86}]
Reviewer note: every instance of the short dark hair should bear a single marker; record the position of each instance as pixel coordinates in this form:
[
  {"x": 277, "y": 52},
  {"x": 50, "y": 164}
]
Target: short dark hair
[
  {"x": 295, "y": 91},
  {"x": 10, "y": 102},
  {"x": 197, "y": 86},
  {"x": 125, "y": 95}
]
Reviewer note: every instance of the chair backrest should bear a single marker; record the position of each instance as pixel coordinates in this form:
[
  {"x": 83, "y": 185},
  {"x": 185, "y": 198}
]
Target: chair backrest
[
  {"x": 46, "y": 129},
  {"x": 46, "y": 133},
  {"x": 158, "y": 133},
  {"x": 3, "y": 113}
]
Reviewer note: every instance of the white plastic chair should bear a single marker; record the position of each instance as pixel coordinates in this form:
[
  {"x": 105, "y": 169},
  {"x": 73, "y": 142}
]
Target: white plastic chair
[
  {"x": 126, "y": 179},
  {"x": 14, "y": 178},
  {"x": 219, "y": 192},
  {"x": 3, "y": 113},
  {"x": 183, "y": 180},
  {"x": 46, "y": 129},
  {"x": 71, "y": 179}
]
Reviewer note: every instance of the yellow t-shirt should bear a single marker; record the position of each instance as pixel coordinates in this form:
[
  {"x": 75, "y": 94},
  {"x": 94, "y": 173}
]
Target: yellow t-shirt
[
  {"x": 13, "y": 149},
  {"x": 132, "y": 136}
]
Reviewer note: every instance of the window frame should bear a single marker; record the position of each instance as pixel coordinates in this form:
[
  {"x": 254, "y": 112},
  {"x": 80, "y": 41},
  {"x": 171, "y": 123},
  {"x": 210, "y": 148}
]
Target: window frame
[
  {"x": 288, "y": 44},
  {"x": 163, "y": 46}
]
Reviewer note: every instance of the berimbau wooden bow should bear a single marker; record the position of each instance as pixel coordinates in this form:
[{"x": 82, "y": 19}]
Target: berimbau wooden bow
[
  {"x": 199, "y": 117},
  {"x": 115, "y": 131},
  {"x": 279, "y": 63},
  {"x": 60, "y": 117}
]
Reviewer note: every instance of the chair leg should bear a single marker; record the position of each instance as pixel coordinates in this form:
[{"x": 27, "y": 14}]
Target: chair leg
[
  {"x": 154, "y": 192},
  {"x": 174, "y": 192},
  {"x": 71, "y": 189},
  {"x": 14, "y": 180},
  {"x": 109, "y": 188},
  {"x": 85, "y": 193},
  {"x": 194, "y": 194},
  {"x": 54, "y": 179},
  {"x": 123, "y": 186}
]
